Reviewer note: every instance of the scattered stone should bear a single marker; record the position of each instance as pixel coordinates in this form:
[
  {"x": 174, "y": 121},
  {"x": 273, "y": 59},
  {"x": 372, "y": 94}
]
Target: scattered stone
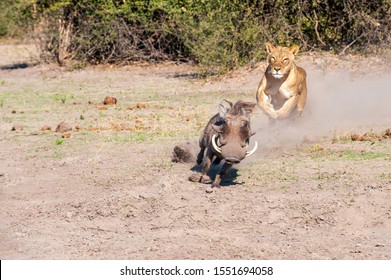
[
  {"x": 137, "y": 106},
  {"x": 76, "y": 102},
  {"x": 387, "y": 133},
  {"x": 69, "y": 215},
  {"x": 63, "y": 127},
  {"x": 141, "y": 106},
  {"x": 46, "y": 128},
  {"x": 65, "y": 135},
  {"x": 358, "y": 137},
  {"x": 109, "y": 100},
  {"x": 13, "y": 112},
  {"x": 17, "y": 127}
]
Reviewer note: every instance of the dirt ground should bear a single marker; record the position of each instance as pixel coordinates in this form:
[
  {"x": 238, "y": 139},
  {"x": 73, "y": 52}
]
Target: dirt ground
[{"x": 106, "y": 188}]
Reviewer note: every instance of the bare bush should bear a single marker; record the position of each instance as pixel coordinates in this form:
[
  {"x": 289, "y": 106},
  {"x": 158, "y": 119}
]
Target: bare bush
[{"x": 218, "y": 35}]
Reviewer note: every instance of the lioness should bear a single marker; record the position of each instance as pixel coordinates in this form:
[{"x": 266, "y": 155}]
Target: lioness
[{"x": 282, "y": 92}]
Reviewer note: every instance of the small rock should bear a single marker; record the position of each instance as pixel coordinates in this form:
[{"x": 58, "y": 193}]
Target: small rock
[
  {"x": 46, "y": 128},
  {"x": 69, "y": 215},
  {"x": 65, "y": 135},
  {"x": 76, "y": 102},
  {"x": 109, "y": 100},
  {"x": 63, "y": 127},
  {"x": 17, "y": 127},
  {"x": 13, "y": 112}
]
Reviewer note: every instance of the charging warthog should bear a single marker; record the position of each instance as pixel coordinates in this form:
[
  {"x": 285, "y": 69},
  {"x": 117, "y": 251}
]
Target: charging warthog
[{"x": 226, "y": 137}]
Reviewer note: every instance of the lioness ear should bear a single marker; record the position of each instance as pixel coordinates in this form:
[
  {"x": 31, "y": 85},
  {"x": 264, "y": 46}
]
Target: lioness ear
[
  {"x": 269, "y": 47},
  {"x": 294, "y": 49}
]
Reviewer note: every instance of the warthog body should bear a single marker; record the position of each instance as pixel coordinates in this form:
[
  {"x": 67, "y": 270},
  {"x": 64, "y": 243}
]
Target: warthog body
[{"x": 226, "y": 137}]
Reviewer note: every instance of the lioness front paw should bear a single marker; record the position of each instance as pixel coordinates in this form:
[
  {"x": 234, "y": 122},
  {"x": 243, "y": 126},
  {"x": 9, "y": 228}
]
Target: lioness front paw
[{"x": 273, "y": 114}]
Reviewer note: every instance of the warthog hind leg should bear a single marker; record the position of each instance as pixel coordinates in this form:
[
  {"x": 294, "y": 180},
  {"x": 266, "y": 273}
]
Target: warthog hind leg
[{"x": 198, "y": 177}]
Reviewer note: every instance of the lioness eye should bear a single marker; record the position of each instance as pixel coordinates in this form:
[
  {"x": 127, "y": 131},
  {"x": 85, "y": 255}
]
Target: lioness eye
[
  {"x": 272, "y": 59},
  {"x": 285, "y": 59}
]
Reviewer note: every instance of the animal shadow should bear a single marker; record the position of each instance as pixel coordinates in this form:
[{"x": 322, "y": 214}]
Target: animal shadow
[
  {"x": 228, "y": 181},
  {"x": 14, "y": 66}
]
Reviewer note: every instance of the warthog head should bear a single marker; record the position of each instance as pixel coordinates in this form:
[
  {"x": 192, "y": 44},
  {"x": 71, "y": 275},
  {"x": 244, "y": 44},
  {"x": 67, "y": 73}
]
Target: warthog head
[
  {"x": 226, "y": 137},
  {"x": 232, "y": 133}
]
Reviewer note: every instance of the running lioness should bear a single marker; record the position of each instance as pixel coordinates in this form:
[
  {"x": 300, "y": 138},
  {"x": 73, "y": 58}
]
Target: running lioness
[{"x": 282, "y": 92}]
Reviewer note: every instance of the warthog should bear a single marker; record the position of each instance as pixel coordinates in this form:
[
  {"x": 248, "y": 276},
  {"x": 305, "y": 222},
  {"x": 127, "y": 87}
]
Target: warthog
[{"x": 226, "y": 137}]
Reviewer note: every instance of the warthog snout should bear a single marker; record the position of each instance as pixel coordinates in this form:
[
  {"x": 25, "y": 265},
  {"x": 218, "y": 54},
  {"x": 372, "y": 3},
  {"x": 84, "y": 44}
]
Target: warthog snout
[
  {"x": 233, "y": 151},
  {"x": 232, "y": 160}
]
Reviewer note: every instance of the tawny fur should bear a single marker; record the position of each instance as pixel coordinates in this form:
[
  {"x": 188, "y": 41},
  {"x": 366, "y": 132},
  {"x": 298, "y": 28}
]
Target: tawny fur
[{"x": 282, "y": 92}]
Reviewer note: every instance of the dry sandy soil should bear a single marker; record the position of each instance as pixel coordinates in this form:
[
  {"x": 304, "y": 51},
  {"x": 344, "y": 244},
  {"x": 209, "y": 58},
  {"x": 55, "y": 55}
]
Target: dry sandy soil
[{"x": 107, "y": 189}]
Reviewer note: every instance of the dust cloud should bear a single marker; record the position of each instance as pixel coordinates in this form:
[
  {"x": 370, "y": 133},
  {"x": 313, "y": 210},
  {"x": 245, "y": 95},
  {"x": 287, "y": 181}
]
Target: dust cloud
[{"x": 338, "y": 103}]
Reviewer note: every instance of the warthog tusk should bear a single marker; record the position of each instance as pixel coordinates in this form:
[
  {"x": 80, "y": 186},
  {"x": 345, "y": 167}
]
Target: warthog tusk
[
  {"x": 253, "y": 150},
  {"x": 217, "y": 148}
]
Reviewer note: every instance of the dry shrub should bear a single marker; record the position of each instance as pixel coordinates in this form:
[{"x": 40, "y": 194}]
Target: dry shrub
[{"x": 219, "y": 35}]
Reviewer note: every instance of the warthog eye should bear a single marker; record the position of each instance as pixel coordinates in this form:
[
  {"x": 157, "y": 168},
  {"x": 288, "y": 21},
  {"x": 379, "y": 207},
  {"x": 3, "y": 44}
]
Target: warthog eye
[
  {"x": 244, "y": 144},
  {"x": 245, "y": 127}
]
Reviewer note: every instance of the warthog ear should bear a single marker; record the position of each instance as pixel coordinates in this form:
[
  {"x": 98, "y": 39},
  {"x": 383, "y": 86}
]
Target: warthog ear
[
  {"x": 270, "y": 47},
  {"x": 229, "y": 103},
  {"x": 294, "y": 49},
  {"x": 217, "y": 128},
  {"x": 243, "y": 111},
  {"x": 222, "y": 111}
]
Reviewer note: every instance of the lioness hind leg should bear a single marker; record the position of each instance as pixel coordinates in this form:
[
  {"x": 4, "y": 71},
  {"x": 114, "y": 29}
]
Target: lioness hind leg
[
  {"x": 302, "y": 99},
  {"x": 296, "y": 114}
]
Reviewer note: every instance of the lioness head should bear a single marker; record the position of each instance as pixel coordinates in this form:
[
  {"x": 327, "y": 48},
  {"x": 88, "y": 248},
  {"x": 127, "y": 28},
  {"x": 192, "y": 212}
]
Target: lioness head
[{"x": 280, "y": 59}]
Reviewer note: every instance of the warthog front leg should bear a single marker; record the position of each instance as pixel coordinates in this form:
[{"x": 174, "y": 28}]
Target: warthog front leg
[
  {"x": 224, "y": 170},
  {"x": 203, "y": 177}
]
